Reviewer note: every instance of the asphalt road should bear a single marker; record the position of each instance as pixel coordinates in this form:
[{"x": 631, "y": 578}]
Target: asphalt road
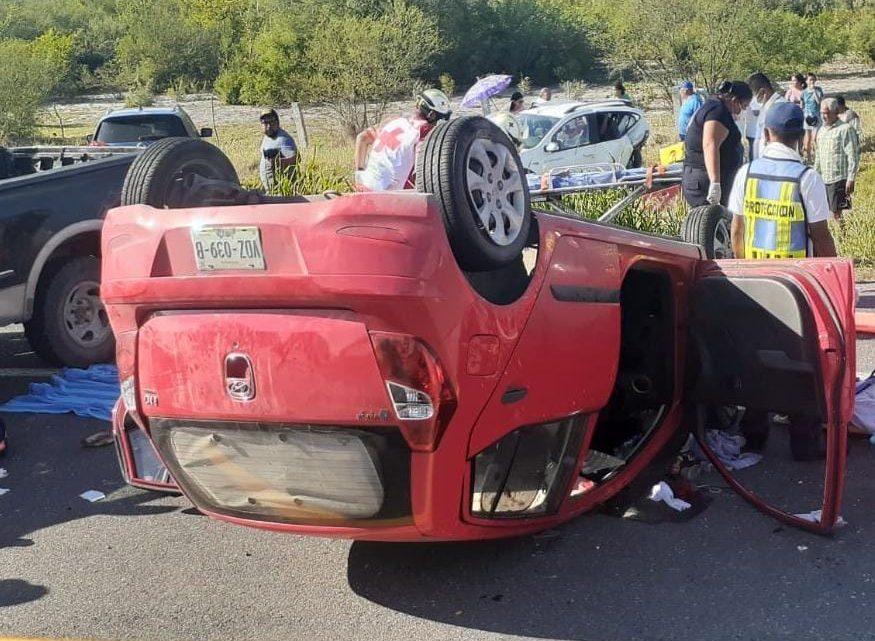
[{"x": 138, "y": 565}]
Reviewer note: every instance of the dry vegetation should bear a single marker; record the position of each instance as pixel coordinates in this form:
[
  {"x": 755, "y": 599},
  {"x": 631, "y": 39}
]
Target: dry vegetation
[{"x": 327, "y": 166}]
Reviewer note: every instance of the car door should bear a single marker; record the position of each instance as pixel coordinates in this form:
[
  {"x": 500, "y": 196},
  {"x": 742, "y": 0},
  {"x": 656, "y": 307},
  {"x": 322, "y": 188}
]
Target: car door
[
  {"x": 778, "y": 339},
  {"x": 611, "y": 144},
  {"x": 571, "y": 145}
]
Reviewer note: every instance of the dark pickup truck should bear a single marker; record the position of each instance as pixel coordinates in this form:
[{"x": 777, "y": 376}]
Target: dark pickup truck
[{"x": 52, "y": 204}]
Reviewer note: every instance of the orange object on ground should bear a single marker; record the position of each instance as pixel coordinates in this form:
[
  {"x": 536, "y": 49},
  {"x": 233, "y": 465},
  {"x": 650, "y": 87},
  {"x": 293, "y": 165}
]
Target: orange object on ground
[{"x": 865, "y": 322}]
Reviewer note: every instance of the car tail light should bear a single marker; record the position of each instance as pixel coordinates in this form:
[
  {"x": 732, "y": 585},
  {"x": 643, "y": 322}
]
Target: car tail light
[
  {"x": 126, "y": 353},
  {"x": 126, "y": 361},
  {"x": 421, "y": 395}
]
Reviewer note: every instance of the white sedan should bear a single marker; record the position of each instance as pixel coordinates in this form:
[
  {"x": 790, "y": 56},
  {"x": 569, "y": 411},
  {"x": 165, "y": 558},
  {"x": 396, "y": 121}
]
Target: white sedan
[{"x": 575, "y": 133}]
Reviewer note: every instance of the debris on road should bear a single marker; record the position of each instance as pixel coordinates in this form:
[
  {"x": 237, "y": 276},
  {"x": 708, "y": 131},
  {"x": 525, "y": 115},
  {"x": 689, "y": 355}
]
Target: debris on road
[
  {"x": 93, "y": 495},
  {"x": 662, "y": 492},
  {"x": 98, "y": 439},
  {"x": 815, "y": 516}
]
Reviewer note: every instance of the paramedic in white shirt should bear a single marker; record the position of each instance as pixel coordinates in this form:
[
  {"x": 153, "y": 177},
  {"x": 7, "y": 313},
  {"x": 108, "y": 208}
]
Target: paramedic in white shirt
[{"x": 385, "y": 158}]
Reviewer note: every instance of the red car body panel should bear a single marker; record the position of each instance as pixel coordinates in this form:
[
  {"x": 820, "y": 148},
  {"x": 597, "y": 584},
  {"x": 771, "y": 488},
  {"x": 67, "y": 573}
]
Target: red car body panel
[
  {"x": 821, "y": 281},
  {"x": 339, "y": 269}
]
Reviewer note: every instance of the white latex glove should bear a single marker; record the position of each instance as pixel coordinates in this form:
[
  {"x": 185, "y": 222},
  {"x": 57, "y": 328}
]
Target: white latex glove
[{"x": 715, "y": 193}]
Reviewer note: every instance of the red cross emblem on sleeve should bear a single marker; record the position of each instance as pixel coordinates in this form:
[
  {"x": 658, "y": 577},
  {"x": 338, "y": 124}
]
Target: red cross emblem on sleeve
[{"x": 390, "y": 139}]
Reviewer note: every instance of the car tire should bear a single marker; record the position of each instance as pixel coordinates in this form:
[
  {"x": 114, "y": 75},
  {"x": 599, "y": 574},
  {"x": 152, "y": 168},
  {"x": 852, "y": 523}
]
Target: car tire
[
  {"x": 154, "y": 177},
  {"x": 70, "y": 325},
  {"x": 709, "y": 227},
  {"x": 487, "y": 220}
]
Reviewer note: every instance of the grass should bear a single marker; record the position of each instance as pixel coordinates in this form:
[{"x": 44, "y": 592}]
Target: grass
[{"x": 327, "y": 164}]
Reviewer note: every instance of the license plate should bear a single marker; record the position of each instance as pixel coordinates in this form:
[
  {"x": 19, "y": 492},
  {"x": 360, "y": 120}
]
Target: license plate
[{"x": 217, "y": 248}]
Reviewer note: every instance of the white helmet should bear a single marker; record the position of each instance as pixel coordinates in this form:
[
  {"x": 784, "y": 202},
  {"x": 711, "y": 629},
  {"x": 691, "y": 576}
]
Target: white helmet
[
  {"x": 434, "y": 100},
  {"x": 508, "y": 124}
]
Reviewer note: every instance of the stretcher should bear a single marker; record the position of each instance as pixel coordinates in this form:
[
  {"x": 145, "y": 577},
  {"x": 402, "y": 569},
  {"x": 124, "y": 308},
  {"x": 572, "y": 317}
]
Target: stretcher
[{"x": 546, "y": 190}]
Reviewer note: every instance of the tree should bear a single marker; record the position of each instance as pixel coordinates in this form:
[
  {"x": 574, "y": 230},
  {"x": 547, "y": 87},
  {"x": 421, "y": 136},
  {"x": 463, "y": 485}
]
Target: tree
[
  {"x": 862, "y": 35},
  {"x": 161, "y": 46},
  {"x": 356, "y": 61},
  {"x": 25, "y": 83},
  {"x": 710, "y": 40}
]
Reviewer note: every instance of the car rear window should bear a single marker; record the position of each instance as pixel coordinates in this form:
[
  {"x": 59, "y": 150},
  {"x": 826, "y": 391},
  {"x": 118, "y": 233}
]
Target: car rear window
[{"x": 134, "y": 129}]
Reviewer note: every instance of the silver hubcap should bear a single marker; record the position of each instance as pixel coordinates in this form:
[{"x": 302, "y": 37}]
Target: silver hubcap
[
  {"x": 495, "y": 189},
  {"x": 722, "y": 242},
  {"x": 84, "y": 315}
]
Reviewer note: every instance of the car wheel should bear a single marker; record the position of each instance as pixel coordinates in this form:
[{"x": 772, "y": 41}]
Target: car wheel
[
  {"x": 69, "y": 325},
  {"x": 709, "y": 227},
  {"x": 158, "y": 175},
  {"x": 475, "y": 172}
]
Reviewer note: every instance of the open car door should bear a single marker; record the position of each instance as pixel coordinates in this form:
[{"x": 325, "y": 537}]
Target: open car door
[{"x": 776, "y": 338}]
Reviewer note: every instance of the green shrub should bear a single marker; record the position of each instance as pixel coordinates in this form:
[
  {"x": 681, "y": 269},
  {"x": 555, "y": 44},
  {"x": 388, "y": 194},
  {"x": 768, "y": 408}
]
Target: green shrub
[
  {"x": 355, "y": 62},
  {"x": 139, "y": 97},
  {"x": 25, "y": 84},
  {"x": 448, "y": 85},
  {"x": 862, "y": 34},
  {"x": 640, "y": 214},
  {"x": 162, "y": 45},
  {"x": 574, "y": 89}
]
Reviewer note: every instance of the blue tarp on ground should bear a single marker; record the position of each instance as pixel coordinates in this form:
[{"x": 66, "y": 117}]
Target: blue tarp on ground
[{"x": 86, "y": 392}]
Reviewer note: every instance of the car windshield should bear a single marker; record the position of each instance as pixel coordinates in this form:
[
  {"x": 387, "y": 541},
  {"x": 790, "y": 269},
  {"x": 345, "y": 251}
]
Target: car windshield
[
  {"x": 139, "y": 128},
  {"x": 534, "y": 128}
]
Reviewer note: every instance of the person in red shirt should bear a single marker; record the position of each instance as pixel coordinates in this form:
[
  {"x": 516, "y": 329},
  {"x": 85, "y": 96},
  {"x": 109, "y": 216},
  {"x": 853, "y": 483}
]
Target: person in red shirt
[{"x": 385, "y": 157}]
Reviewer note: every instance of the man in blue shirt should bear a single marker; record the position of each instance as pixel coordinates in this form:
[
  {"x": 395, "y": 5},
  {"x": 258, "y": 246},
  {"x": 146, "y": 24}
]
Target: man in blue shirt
[
  {"x": 278, "y": 149},
  {"x": 690, "y": 103}
]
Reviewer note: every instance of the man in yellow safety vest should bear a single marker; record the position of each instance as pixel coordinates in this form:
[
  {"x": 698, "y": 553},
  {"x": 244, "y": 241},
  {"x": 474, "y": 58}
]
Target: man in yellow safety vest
[
  {"x": 779, "y": 210},
  {"x": 778, "y": 204}
]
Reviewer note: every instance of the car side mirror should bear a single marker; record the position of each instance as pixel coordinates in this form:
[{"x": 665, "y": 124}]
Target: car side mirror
[
  {"x": 89, "y": 138},
  {"x": 206, "y": 132},
  {"x": 551, "y": 147}
]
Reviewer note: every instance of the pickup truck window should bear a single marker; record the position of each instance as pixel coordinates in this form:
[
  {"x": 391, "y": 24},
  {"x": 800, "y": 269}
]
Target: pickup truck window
[{"x": 139, "y": 128}]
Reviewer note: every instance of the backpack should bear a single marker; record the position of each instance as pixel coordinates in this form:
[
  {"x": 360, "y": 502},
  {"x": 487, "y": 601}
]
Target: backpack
[{"x": 864, "y": 404}]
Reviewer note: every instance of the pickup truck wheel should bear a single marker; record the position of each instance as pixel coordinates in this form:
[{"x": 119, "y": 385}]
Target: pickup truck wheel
[
  {"x": 708, "y": 226},
  {"x": 69, "y": 324},
  {"x": 158, "y": 174},
  {"x": 475, "y": 172}
]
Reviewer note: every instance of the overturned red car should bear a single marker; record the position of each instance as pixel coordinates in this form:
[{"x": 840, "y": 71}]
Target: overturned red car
[{"x": 454, "y": 364}]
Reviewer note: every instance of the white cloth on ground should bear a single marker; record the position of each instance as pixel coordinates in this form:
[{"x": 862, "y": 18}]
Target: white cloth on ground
[
  {"x": 662, "y": 492},
  {"x": 727, "y": 447}
]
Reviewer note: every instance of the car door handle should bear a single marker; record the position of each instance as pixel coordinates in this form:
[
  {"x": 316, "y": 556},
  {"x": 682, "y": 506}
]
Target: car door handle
[{"x": 513, "y": 395}]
